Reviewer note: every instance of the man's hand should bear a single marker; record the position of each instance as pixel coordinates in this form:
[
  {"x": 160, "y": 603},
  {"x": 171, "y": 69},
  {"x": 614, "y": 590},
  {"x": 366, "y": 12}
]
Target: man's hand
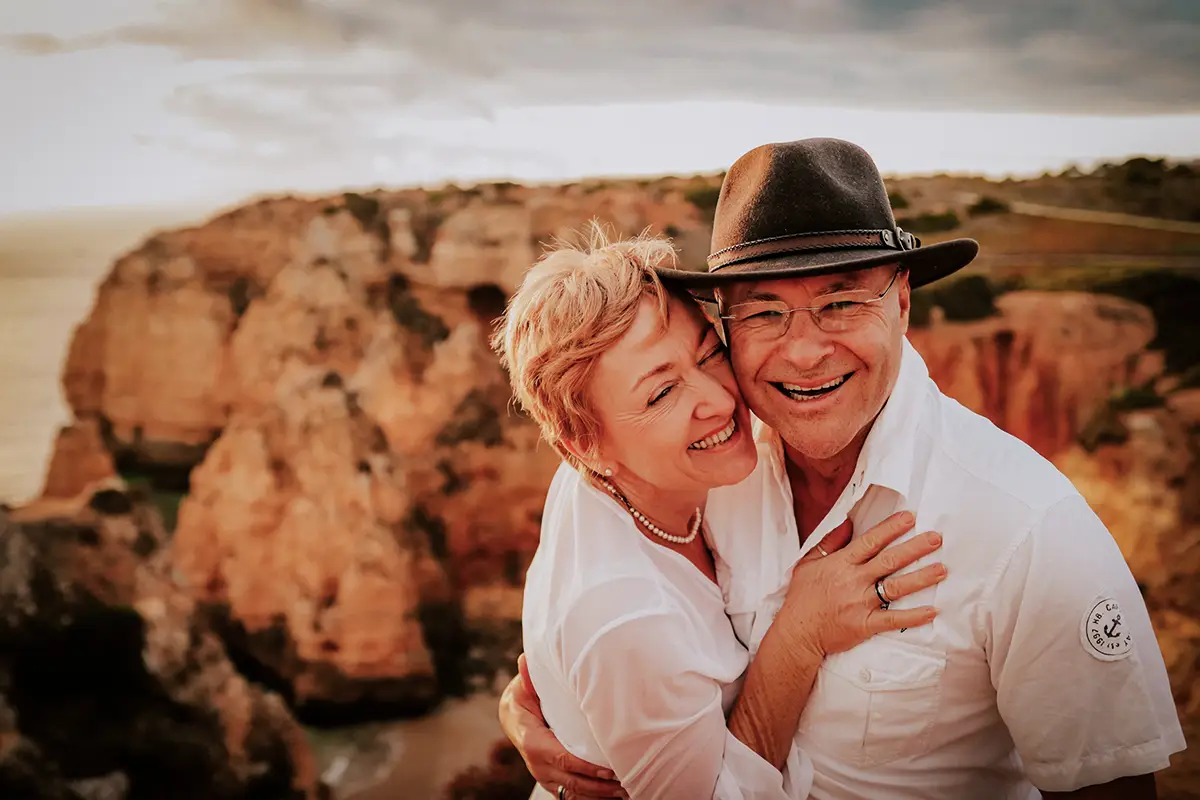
[{"x": 548, "y": 761}]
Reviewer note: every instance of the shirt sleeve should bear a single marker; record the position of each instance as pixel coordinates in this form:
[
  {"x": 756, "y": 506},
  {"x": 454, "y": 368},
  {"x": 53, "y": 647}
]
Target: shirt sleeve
[
  {"x": 1080, "y": 680},
  {"x": 639, "y": 678}
]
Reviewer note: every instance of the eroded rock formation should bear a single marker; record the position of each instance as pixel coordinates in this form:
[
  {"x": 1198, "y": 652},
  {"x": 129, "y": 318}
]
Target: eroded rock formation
[
  {"x": 1043, "y": 366},
  {"x": 112, "y": 683},
  {"x": 362, "y": 499}
]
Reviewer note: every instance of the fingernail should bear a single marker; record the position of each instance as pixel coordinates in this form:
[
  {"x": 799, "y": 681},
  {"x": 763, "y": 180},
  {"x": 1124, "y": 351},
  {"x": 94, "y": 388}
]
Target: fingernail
[
  {"x": 908, "y": 518},
  {"x": 931, "y": 613},
  {"x": 940, "y": 570},
  {"x": 935, "y": 538}
]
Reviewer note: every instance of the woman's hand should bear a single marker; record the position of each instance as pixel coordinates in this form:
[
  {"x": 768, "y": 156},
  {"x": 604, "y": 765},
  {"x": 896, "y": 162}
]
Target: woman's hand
[
  {"x": 832, "y": 603},
  {"x": 547, "y": 760}
]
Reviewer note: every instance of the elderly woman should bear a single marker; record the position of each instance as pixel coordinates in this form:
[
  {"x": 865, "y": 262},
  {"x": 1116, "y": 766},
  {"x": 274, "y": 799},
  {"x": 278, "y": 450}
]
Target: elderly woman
[{"x": 626, "y": 634}]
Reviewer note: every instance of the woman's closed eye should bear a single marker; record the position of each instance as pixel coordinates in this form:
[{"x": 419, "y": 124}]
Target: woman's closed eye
[
  {"x": 660, "y": 394},
  {"x": 713, "y": 356}
]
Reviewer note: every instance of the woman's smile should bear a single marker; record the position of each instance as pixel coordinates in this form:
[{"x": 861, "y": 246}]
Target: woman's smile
[{"x": 717, "y": 441}]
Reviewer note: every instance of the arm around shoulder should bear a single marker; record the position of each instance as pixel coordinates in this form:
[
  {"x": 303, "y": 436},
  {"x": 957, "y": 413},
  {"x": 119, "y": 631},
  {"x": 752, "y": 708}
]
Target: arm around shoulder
[{"x": 1079, "y": 677}]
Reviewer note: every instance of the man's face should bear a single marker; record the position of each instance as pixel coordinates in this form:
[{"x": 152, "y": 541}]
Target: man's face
[{"x": 818, "y": 388}]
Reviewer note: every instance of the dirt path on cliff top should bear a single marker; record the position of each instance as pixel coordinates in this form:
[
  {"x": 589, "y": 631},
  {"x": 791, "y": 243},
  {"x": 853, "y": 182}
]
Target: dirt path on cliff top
[
  {"x": 1092, "y": 216},
  {"x": 1105, "y": 218}
]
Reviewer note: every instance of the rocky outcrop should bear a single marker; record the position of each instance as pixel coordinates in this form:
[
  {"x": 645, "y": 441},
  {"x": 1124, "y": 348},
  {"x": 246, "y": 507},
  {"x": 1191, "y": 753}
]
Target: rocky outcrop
[
  {"x": 370, "y": 466},
  {"x": 1043, "y": 366},
  {"x": 78, "y": 460},
  {"x": 151, "y": 363},
  {"x": 311, "y": 378},
  {"x": 1070, "y": 374},
  {"x": 361, "y": 498},
  {"x": 1146, "y": 489},
  {"x": 112, "y": 683}
]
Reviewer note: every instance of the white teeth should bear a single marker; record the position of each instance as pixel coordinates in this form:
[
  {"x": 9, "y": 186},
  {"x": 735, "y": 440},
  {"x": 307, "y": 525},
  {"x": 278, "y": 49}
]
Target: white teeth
[
  {"x": 812, "y": 392},
  {"x": 717, "y": 438}
]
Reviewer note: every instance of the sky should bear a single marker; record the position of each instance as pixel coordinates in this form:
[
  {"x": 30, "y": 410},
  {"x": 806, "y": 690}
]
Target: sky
[{"x": 137, "y": 102}]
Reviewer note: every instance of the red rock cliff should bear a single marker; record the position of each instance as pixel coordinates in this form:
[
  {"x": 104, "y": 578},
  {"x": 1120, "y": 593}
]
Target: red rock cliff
[{"x": 360, "y": 491}]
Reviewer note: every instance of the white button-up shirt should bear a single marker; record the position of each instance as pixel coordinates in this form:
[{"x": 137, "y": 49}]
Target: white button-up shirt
[
  {"x": 1041, "y": 670},
  {"x": 634, "y": 659}
]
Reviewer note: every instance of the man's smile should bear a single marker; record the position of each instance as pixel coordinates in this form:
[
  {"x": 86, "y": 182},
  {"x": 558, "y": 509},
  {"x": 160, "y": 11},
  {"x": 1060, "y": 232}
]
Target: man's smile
[{"x": 814, "y": 391}]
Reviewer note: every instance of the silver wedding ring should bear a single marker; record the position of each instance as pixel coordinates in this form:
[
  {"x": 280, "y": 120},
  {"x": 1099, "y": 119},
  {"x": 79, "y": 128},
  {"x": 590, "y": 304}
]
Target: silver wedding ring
[
  {"x": 883, "y": 598},
  {"x": 562, "y": 792}
]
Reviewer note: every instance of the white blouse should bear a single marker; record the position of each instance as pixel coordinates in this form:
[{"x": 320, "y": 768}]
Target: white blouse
[{"x": 634, "y": 659}]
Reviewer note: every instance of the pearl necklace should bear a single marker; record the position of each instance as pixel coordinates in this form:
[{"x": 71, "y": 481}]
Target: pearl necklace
[{"x": 650, "y": 526}]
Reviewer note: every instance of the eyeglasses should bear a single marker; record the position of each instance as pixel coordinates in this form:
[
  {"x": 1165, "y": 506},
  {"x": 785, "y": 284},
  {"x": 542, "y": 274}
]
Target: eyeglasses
[{"x": 837, "y": 312}]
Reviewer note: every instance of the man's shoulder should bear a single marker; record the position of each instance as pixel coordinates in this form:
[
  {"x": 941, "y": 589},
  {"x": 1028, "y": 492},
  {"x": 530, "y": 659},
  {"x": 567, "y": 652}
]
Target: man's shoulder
[
  {"x": 989, "y": 490},
  {"x": 977, "y": 455}
]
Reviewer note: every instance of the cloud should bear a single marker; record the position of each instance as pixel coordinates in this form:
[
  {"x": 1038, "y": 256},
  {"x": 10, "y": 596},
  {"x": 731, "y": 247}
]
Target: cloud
[
  {"x": 320, "y": 74},
  {"x": 1104, "y": 56}
]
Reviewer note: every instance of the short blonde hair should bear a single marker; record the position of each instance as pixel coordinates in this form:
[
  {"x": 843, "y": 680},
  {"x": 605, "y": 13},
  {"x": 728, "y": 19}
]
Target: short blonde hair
[{"x": 574, "y": 304}]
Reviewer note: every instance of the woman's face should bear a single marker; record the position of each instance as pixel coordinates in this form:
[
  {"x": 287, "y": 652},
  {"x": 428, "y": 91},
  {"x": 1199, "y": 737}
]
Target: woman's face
[{"x": 671, "y": 416}]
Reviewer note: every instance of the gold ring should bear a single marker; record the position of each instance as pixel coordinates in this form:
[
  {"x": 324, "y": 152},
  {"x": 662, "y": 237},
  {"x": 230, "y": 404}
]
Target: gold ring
[{"x": 821, "y": 550}]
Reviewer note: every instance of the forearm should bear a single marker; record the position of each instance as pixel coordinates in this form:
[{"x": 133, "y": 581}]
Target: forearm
[{"x": 777, "y": 687}]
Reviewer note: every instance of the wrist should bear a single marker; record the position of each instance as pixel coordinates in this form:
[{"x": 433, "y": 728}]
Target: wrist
[{"x": 796, "y": 638}]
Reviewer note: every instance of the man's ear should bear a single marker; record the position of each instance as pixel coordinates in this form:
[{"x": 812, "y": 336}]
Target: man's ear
[{"x": 904, "y": 295}]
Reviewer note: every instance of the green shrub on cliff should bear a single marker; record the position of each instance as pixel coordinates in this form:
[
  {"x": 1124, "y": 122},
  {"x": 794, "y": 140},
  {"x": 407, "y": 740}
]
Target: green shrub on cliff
[
  {"x": 930, "y": 223},
  {"x": 987, "y": 205},
  {"x": 965, "y": 299},
  {"x": 1107, "y": 426},
  {"x": 1173, "y": 298},
  {"x": 1103, "y": 427},
  {"x": 164, "y": 498},
  {"x": 475, "y": 420},
  {"x": 704, "y": 198},
  {"x": 409, "y": 313},
  {"x": 1134, "y": 398}
]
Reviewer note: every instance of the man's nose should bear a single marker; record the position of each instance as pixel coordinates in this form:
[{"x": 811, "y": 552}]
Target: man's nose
[{"x": 805, "y": 345}]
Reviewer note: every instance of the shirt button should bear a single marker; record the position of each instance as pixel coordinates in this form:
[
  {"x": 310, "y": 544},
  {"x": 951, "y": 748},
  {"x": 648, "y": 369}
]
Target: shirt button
[{"x": 865, "y": 675}]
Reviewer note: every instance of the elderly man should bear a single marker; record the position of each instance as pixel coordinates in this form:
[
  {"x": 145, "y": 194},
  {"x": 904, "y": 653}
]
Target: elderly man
[{"x": 1041, "y": 673}]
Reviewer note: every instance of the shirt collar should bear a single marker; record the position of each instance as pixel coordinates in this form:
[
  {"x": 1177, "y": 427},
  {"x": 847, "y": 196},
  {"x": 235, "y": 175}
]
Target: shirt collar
[{"x": 888, "y": 454}]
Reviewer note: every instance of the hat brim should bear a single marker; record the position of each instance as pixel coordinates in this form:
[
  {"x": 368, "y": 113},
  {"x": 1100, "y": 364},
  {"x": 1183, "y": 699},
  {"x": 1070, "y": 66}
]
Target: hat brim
[{"x": 925, "y": 265}]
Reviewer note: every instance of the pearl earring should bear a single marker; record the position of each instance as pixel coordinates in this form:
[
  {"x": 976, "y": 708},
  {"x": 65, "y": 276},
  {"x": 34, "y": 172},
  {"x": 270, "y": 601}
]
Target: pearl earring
[{"x": 608, "y": 472}]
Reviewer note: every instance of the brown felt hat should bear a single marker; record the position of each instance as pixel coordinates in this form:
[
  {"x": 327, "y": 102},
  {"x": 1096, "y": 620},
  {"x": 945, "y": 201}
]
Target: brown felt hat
[{"x": 812, "y": 207}]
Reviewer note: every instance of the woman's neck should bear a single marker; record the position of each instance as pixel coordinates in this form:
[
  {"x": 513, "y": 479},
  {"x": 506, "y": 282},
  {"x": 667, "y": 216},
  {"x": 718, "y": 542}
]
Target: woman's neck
[{"x": 673, "y": 512}]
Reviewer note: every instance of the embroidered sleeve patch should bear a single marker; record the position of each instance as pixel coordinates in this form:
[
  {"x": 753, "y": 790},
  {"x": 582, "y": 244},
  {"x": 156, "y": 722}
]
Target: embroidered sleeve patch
[{"x": 1104, "y": 633}]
